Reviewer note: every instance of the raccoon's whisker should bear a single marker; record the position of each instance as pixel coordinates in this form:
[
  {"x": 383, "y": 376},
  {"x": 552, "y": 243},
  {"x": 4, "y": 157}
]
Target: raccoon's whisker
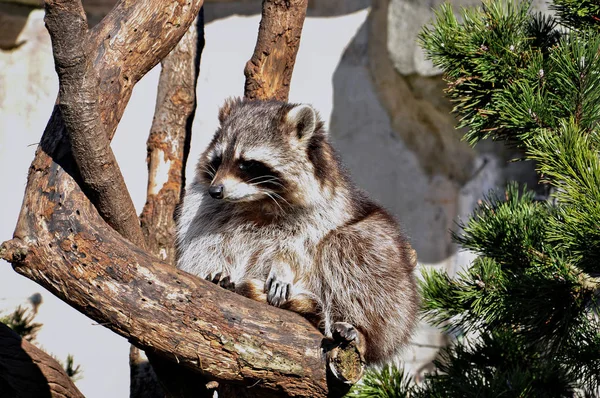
[
  {"x": 267, "y": 181},
  {"x": 265, "y": 176},
  {"x": 277, "y": 203},
  {"x": 281, "y": 197},
  {"x": 209, "y": 172}
]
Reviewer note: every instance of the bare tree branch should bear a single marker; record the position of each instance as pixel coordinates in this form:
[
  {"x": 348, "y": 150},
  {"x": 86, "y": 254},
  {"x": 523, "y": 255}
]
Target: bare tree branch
[
  {"x": 168, "y": 148},
  {"x": 71, "y": 252},
  {"x": 269, "y": 71},
  {"x": 168, "y": 143},
  {"x": 78, "y": 103},
  {"x": 27, "y": 371}
]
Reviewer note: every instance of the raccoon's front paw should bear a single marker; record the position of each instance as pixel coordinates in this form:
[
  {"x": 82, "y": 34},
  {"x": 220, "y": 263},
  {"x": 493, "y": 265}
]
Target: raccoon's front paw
[
  {"x": 344, "y": 332},
  {"x": 278, "y": 290},
  {"x": 222, "y": 280}
]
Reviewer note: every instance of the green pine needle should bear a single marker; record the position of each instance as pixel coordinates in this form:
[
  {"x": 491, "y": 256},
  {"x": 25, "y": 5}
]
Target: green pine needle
[
  {"x": 21, "y": 321},
  {"x": 388, "y": 382}
]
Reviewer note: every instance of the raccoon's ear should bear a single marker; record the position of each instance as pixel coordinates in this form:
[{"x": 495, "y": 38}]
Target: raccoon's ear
[
  {"x": 304, "y": 119},
  {"x": 229, "y": 104}
]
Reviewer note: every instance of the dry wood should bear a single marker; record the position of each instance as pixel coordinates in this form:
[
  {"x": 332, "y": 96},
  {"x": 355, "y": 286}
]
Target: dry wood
[
  {"x": 129, "y": 42},
  {"x": 168, "y": 148},
  {"x": 269, "y": 71},
  {"x": 168, "y": 143},
  {"x": 27, "y": 371},
  {"x": 78, "y": 103},
  {"x": 66, "y": 247}
]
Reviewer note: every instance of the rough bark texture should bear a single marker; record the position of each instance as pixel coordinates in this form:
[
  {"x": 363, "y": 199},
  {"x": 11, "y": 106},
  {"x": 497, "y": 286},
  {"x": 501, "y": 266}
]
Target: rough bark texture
[
  {"x": 78, "y": 102},
  {"x": 27, "y": 371},
  {"x": 168, "y": 143},
  {"x": 129, "y": 42},
  {"x": 64, "y": 245},
  {"x": 168, "y": 148},
  {"x": 269, "y": 71}
]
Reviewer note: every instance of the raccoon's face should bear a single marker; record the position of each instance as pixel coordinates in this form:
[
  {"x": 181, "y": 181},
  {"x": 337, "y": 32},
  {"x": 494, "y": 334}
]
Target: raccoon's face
[{"x": 261, "y": 152}]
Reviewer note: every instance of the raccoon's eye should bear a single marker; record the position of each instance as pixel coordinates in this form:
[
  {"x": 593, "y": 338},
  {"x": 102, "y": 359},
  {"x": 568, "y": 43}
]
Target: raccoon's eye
[
  {"x": 248, "y": 165},
  {"x": 215, "y": 163},
  {"x": 254, "y": 168}
]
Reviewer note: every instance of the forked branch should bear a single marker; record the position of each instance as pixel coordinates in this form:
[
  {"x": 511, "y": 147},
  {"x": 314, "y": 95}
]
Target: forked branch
[{"x": 78, "y": 103}]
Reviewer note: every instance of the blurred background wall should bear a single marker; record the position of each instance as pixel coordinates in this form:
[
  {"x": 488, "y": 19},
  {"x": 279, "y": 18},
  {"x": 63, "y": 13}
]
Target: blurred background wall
[{"x": 359, "y": 64}]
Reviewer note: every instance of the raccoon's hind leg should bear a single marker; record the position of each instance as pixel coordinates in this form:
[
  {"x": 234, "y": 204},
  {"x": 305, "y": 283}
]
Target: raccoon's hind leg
[
  {"x": 344, "y": 333},
  {"x": 368, "y": 283}
]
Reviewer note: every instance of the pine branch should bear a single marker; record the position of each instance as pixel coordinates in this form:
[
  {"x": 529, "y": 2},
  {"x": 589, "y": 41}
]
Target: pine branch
[
  {"x": 389, "y": 382},
  {"x": 488, "y": 59},
  {"x": 72, "y": 370},
  {"x": 497, "y": 364},
  {"x": 526, "y": 310},
  {"x": 578, "y": 14},
  {"x": 569, "y": 160},
  {"x": 21, "y": 321}
]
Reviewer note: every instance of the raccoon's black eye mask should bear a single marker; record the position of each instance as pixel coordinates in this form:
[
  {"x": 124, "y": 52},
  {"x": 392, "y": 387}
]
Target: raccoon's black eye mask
[
  {"x": 215, "y": 163},
  {"x": 254, "y": 169}
]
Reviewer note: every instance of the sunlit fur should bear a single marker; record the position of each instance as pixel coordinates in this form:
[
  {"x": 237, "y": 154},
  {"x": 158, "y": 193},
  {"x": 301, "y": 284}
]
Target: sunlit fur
[{"x": 303, "y": 223}]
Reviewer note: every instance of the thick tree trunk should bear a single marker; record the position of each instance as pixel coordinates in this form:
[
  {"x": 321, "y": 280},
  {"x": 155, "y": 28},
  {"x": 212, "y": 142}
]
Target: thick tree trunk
[
  {"x": 269, "y": 71},
  {"x": 27, "y": 371}
]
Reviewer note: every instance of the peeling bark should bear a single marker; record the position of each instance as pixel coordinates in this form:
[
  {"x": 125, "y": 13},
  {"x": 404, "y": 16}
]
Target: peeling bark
[
  {"x": 27, "y": 371},
  {"x": 269, "y": 71},
  {"x": 168, "y": 143}
]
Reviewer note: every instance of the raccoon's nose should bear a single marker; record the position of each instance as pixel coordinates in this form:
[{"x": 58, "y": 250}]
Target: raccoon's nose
[{"x": 216, "y": 191}]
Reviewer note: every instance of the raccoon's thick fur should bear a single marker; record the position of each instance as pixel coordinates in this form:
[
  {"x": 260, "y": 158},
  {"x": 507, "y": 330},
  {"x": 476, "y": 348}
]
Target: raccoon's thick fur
[{"x": 272, "y": 215}]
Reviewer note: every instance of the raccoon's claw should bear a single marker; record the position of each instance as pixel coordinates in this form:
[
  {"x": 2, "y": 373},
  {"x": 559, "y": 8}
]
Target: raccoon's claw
[
  {"x": 214, "y": 279},
  {"x": 224, "y": 281},
  {"x": 278, "y": 292},
  {"x": 344, "y": 332},
  {"x": 227, "y": 283}
]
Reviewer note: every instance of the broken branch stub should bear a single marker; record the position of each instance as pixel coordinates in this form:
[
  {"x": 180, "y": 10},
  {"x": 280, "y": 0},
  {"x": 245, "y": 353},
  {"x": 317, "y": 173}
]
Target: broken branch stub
[{"x": 269, "y": 71}]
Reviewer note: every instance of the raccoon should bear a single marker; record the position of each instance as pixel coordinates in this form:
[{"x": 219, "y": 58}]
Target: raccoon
[{"x": 273, "y": 215}]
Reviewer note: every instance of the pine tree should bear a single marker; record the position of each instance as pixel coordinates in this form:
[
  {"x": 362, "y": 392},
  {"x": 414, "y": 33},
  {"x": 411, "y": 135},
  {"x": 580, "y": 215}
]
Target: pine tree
[{"x": 525, "y": 313}]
